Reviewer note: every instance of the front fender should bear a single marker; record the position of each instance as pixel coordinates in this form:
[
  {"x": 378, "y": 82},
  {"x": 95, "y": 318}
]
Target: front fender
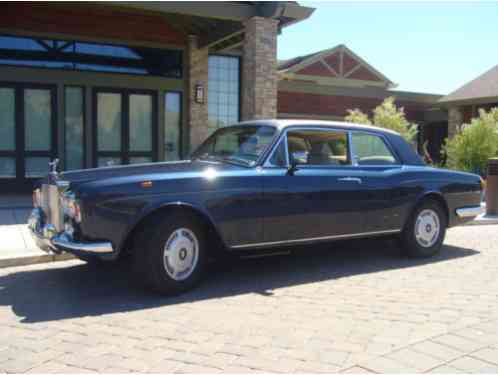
[{"x": 159, "y": 206}]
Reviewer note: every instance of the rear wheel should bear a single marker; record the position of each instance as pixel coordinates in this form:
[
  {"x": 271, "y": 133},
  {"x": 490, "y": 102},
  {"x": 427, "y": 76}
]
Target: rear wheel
[
  {"x": 425, "y": 230},
  {"x": 170, "y": 255}
]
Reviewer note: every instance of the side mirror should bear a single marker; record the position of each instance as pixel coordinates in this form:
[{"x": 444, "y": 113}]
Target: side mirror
[
  {"x": 292, "y": 167},
  {"x": 296, "y": 158}
]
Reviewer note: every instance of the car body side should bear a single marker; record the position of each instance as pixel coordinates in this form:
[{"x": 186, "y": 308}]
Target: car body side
[{"x": 248, "y": 206}]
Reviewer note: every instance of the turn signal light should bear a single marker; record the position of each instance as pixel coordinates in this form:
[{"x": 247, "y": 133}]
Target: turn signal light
[
  {"x": 483, "y": 184},
  {"x": 146, "y": 184}
]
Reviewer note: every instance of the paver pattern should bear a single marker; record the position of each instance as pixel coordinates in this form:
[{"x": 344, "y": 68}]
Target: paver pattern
[{"x": 350, "y": 307}]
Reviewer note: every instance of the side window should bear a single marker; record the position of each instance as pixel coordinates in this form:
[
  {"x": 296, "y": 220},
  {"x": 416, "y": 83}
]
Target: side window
[
  {"x": 371, "y": 149},
  {"x": 318, "y": 147}
]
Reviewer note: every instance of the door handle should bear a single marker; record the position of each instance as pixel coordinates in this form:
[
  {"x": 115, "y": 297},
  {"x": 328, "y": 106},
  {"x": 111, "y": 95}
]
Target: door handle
[{"x": 350, "y": 179}]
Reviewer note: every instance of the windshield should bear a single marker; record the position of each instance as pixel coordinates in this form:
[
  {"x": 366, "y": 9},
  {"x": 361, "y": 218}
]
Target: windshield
[{"x": 237, "y": 144}]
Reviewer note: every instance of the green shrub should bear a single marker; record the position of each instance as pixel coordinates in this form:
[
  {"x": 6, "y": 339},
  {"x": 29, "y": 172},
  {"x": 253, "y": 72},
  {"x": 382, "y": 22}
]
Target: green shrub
[
  {"x": 470, "y": 149},
  {"x": 388, "y": 116}
]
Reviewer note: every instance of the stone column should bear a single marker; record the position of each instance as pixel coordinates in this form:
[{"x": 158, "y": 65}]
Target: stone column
[
  {"x": 259, "y": 69},
  {"x": 197, "y": 73},
  {"x": 455, "y": 120}
]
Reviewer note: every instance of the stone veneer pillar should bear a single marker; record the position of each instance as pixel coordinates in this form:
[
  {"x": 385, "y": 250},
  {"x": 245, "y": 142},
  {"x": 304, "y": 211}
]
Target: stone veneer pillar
[
  {"x": 259, "y": 69},
  {"x": 197, "y": 73},
  {"x": 455, "y": 120}
]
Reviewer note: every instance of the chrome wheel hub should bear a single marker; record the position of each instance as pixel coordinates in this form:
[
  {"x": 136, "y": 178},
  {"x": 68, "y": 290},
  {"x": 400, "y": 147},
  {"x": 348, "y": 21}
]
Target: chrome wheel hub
[
  {"x": 427, "y": 228},
  {"x": 181, "y": 253}
]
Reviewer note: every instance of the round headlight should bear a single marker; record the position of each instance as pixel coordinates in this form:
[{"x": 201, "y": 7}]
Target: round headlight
[{"x": 71, "y": 207}]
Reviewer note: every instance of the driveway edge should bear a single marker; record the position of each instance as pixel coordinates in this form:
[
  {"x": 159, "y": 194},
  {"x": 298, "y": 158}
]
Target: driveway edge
[{"x": 26, "y": 260}]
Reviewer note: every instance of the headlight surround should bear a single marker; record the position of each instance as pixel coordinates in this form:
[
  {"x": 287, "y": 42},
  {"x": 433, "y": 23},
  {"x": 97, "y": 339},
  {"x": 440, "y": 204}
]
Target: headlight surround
[{"x": 71, "y": 207}]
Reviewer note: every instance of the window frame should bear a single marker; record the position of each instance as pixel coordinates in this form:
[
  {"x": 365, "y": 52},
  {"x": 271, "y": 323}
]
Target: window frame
[
  {"x": 125, "y": 154},
  {"x": 239, "y": 94},
  {"x": 352, "y": 157},
  {"x": 283, "y": 138},
  {"x": 20, "y": 153}
]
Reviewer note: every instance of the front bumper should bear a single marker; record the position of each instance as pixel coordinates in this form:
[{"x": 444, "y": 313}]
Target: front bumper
[{"x": 47, "y": 238}]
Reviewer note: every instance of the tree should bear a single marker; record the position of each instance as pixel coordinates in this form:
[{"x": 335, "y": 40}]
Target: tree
[
  {"x": 470, "y": 149},
  {"x": 388, "y": 116}
]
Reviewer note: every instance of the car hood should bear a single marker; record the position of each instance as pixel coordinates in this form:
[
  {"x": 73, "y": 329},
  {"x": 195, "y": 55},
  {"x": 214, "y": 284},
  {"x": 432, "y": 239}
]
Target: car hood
[{"x": 180, "y": 167}]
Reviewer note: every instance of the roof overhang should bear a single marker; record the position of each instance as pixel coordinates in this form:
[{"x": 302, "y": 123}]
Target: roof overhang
[
  {"x": 468, "y": 101},
  {"x": 219, "y": 24}
]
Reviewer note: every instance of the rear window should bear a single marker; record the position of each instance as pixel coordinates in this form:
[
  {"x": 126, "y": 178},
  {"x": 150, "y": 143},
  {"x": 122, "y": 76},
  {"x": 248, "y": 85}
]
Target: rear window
[{"x": 370, "y": 149}]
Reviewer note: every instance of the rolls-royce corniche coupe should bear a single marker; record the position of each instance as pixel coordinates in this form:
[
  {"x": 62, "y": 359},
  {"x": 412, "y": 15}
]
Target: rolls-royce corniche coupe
[{"x": 257, "y": 185}]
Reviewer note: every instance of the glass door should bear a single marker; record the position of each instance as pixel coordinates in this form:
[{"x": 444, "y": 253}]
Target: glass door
[
  {"x": 27, "y": 134},
  {"x": 125, "y": 127}
]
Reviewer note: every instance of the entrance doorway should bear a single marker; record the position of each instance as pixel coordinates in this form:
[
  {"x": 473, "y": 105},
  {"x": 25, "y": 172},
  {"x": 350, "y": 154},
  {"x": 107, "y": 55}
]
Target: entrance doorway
[
  {"x": 125, "y": 126},
  {"x": 27, "y": 134}
]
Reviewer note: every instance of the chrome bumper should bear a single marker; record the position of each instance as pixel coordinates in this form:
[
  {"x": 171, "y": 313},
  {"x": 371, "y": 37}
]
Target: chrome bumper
[
  {"x": 469, "y": 212},
  {"x": 47, "y": 238}
]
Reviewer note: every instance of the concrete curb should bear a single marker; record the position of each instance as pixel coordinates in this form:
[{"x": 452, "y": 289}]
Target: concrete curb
[
  {"x": 28, "y": 259},
  {"x": 484, "y": 219}
]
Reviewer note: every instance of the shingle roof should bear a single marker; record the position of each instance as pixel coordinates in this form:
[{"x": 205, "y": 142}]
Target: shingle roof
[
  {"x": 285, "y": 64},
  {"x": 484, "y": 86}
]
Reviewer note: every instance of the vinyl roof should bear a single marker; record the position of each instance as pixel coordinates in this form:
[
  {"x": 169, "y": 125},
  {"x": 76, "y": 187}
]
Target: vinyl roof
[{"x": 284, "y": 123}]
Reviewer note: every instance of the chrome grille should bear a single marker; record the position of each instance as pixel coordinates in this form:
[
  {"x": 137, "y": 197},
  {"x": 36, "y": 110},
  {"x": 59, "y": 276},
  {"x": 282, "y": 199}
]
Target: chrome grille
[{"x": 51, "y": 206}]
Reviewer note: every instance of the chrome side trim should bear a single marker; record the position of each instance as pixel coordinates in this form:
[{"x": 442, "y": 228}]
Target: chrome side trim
[
  {"x": 339, "y": 236},
  {"x": 466, "y": 212}
]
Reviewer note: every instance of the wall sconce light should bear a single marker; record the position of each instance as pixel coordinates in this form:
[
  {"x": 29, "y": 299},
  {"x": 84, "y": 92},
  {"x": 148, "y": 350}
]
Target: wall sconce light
[{"x": 199, "y": 93}]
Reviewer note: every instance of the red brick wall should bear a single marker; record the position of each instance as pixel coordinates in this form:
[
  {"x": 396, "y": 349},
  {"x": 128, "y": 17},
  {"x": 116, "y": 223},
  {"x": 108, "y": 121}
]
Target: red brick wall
[
  {"x": 330, "y": 105},
  {"x": 91, "y": 21}
]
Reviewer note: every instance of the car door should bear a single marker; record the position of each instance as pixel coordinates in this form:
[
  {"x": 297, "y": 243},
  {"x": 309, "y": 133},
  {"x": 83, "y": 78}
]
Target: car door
[
  {"x": 385, "y": 200},
  {"x": 321, "y": 197}
]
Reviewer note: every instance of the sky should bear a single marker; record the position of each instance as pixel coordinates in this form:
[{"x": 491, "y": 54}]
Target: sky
[{"x": 431, "y": 47}]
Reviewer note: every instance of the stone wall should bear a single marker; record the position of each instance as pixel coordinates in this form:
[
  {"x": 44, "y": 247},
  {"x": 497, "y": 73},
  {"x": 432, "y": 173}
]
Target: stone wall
[
  {"x": 197, "y": 73},
  {"x": 455, "y": 120},
  {"x": 259, "y": 69}
]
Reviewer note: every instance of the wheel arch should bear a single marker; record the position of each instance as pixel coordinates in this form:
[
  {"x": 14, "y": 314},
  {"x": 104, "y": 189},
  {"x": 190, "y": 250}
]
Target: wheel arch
[
  {"x": 212, "y": 231},
  {"x": 436, "y": 196}
]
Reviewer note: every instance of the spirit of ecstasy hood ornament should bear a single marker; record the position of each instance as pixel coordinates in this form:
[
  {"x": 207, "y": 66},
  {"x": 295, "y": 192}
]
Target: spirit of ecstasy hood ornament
[
  {"x": 52, "y": 169},
  {"x": 52, "y": 166}
]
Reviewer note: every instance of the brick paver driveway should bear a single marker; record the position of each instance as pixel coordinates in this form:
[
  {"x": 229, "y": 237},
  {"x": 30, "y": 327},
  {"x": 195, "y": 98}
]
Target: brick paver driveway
[{"x": 356, "y": 306}]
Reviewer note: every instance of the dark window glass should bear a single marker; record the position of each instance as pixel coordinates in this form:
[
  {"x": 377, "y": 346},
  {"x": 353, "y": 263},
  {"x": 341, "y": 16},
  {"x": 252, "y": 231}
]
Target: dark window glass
[
  {"x": 172, "y": 124},
  {"x": 25, "y": 44},
  {"x": 73, "y": 55},
  {"x": 223, "y": 91},
  {"x": 74, "y": 127},
  {"x": 7, "y": 119}
]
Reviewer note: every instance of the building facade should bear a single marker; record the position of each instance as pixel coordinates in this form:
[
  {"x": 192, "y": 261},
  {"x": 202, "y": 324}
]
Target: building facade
[
  {"x": 95, "y": 84},
  {"x": 464, "y": 103},
  {"x": 326, "y": 84}
]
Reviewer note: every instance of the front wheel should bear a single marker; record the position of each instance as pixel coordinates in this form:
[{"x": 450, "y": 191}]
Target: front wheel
[
  {"x": 425, "y": 230},
  {"x": 170, "y": 254}
]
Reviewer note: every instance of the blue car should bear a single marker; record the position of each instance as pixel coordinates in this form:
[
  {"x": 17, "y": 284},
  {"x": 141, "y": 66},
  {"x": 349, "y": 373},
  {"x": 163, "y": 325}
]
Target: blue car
[{"x": 255, "y": 186}]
